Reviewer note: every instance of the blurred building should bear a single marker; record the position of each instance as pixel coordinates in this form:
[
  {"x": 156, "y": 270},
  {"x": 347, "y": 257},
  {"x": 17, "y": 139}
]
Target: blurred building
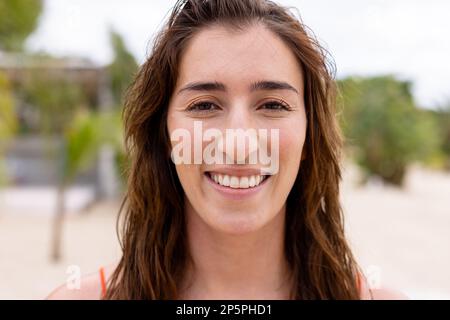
[{"x": 34, "y": 159}]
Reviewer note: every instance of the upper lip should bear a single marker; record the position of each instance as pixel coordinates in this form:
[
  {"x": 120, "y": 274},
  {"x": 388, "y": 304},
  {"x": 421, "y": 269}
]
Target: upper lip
[{"x": 236, "y": 171}]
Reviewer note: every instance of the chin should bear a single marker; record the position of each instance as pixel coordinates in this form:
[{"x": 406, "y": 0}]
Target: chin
[{"x": 238, "y": 222}]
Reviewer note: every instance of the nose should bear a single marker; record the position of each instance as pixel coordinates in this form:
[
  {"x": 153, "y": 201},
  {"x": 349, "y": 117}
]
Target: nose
[
  {"x": 239, "y": 116},
  {"x": 241, "y": 136}
]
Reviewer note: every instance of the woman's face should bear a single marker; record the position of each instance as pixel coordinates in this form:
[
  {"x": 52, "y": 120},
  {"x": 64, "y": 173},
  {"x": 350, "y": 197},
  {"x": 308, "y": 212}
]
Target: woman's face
[{"x": 238, "y": 80}]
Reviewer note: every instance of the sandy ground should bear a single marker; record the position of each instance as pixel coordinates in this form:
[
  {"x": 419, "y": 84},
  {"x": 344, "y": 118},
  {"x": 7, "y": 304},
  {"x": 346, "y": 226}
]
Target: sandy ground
[
  {"x": 26, "y": 271},
  {"x": 400, "y": 237}
]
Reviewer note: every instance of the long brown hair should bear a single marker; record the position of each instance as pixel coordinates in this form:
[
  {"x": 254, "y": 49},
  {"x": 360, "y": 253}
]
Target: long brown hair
[{"x": 153, "y": 236}]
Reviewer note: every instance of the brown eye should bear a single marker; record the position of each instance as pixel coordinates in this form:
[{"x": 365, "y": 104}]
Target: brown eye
[
  {"x": 275, "y": 106},
  {"x": 202, "y": 107}
]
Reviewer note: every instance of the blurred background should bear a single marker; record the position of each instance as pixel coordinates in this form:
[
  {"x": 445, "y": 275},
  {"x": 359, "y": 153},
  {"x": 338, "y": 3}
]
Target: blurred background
[{"x": 64, "y": 66}]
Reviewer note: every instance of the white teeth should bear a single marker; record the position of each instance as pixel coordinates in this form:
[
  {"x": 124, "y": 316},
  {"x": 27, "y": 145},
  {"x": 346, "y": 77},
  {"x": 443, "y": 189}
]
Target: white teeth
[
  {"x": 243, "y": 182},
  {"x": 226, "y": 181},
  {"x": 252, "y": 181},
  {"x": 237, "y": 182},
  {"x": 234, "y": 182}
]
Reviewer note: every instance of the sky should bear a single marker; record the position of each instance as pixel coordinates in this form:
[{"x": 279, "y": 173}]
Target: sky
[{"x": 407, "y": 38}]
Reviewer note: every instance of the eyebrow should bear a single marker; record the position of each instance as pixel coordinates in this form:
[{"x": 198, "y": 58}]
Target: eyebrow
[{"x": 218, "y": 86}]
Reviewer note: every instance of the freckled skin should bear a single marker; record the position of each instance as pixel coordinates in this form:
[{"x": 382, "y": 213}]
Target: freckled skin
[{"x": 238, "y": 59}]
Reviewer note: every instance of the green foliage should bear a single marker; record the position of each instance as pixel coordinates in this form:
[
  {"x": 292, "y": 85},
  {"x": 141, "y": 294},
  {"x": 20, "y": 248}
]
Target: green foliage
[
  {"x": 18, "y": 18},
  {"x": 84, "y": 137},
  {"x": 122, "y": 69},
  {"x": 442, "y": 119},
  {"x": 8, "y": 123},
  {"x": 7, "y": 116},
  {"x": 386, "y": 129},
  {"x": 55, "y": 99},
  {"x": 63, "y": 108}
]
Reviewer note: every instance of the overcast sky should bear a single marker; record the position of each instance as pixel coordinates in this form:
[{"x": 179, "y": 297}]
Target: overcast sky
[{"x": 408, "y": 38}]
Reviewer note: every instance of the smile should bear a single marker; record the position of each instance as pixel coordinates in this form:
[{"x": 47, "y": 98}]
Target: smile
[
  {"x": 237, "y": 185},
  {"x": 235, "y": 182}
]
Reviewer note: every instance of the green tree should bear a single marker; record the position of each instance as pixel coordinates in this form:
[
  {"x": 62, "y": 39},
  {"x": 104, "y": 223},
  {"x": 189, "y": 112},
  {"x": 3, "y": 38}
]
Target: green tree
[
  {"x": 85, "y": 135},
  {"x": 442, "y": 119},
  {"x": 8, "y": 123},
  {"x": 18, "y": 19},
  {"x": 82, "y": 140},
  {"x": 7, "y": 116},
  {"x": 122, "y": 68},
  {"x": 61, "y": 106},
  {"x": 384, "y": 126},
  {"x": 56, "y": 100}
]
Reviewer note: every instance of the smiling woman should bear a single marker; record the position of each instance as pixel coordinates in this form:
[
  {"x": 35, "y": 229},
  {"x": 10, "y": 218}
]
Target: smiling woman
[{"x": 228, "y": 229}]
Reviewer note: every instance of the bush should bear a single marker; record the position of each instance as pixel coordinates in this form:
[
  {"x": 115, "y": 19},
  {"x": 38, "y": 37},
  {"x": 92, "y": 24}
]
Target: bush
[
  {"x": 442, "y": 119},
  {"x": 384, "y": 126}
]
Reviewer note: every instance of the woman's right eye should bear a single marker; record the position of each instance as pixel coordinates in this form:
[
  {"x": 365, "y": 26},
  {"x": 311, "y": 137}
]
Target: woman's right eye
[{"x": 202, "y": 107}]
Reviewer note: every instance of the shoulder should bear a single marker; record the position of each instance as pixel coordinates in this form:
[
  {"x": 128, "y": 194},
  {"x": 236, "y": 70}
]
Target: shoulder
[
  {"x": 380, "y": 293},
  {"x": 90, "y": 287},
  {"x": 388, "y": 294}
]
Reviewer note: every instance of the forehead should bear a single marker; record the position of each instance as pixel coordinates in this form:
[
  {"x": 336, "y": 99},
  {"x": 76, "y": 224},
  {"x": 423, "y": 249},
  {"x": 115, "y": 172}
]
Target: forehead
[{"x": 221, "y": 54}]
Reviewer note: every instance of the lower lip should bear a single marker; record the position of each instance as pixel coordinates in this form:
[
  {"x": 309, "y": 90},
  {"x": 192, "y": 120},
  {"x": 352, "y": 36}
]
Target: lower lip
[{"x": 236, "y": 193}]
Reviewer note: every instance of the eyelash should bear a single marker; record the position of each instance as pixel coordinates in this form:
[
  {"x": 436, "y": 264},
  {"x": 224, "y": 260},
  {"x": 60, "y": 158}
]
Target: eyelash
[{"x": 194, "y": 107}]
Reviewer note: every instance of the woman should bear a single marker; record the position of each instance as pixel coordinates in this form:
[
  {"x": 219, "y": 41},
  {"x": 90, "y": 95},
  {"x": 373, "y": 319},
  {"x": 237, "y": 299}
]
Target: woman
[{"x": 232, "y": 229}]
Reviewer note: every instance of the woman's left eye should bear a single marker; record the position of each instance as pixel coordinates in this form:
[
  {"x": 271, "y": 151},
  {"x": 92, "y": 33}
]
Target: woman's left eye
[{"x": 275, "y": 106}]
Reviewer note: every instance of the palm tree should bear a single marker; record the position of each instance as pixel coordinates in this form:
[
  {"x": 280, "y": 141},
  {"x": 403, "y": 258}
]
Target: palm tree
[{"x": 83, "y": 140}]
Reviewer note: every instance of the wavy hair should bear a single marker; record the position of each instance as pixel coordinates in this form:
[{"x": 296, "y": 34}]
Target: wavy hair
[{"x": 153, "y": 231}]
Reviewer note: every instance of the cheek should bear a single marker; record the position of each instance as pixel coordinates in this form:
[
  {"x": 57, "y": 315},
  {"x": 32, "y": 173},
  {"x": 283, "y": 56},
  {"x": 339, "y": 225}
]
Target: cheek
[
  {"x": 188, "y": 175},
  {"x": 291, "y": 147},
  {"x": 186, "y": 172}
]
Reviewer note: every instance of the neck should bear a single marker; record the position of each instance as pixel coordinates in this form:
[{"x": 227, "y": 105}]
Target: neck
[{"x": 236, "y": 266}]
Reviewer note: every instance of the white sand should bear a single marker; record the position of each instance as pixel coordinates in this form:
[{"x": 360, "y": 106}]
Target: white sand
[
  {"x": 403, "y": 235},
  {"x": 26, "y": 271},
  {"x": 401, "y": 238}
]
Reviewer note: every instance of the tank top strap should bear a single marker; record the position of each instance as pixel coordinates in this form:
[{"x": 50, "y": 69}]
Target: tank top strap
[{"x": 102, "y": 282}]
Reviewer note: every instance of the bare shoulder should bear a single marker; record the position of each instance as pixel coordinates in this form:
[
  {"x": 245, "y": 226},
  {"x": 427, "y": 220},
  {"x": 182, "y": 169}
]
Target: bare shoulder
[
  {"x": 381, "y": 293},
  {"x": 388, "y": 294},
  {"x": 90, "y": 287}
]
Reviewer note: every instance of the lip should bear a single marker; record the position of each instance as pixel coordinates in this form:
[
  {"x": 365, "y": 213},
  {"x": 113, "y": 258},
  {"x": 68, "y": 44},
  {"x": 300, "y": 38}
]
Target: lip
[{"x": 235, "y": 193}]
